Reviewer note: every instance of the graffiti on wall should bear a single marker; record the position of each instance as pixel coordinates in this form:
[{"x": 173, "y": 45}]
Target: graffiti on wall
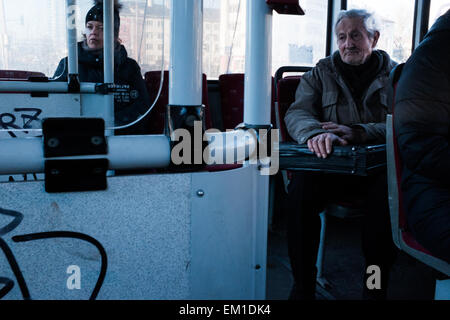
[{"x": 8, "y": 284}]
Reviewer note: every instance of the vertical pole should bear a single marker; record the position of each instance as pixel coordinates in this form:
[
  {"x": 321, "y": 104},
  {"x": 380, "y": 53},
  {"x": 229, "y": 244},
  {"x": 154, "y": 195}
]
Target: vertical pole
[
  {"x": 258, "y": 64},
  {"x": 257, "y": 103},
  {"x": 71, "y": 11},
  {"x": 3, "y": 37},
  {"x": 421, "y": 20},
  {"x": 334, "y": 7},
  {"x": 108, "y": 61},
  {"x": 185, "y": 81},
  {"x": 185, "y": 109}
]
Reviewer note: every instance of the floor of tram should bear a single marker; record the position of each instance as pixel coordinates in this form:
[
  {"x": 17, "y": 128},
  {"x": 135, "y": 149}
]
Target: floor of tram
[{"x": 343, "y": 266}]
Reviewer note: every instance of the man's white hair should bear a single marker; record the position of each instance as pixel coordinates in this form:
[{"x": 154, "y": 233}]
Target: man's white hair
[{"x": 370, "y": 21}]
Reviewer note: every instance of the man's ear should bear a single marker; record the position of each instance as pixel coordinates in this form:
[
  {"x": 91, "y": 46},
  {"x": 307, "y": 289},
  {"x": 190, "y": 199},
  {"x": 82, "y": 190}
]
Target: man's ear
[{"x": 376, "y": 36}]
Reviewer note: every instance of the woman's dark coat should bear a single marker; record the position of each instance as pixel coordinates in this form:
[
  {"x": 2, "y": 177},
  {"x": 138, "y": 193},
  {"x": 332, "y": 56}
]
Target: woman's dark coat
[{"x": 126, "y": 71}]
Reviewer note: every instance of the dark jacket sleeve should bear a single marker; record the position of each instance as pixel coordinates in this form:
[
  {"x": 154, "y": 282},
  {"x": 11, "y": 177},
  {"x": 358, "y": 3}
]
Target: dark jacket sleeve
[
  {"x": 422, "y": 109},
  {"x": 138, "y": 106}
]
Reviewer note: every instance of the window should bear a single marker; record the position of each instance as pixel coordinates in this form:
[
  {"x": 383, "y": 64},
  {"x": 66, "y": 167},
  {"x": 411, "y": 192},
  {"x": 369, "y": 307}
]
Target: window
[
  {"x": 437, "y": 9},
  {"x": 396, "y": 20},
  {"x": 224, "y": 23},
  {"x": 32, "y": 35},
  {"x": 34, "y": 39},
  {"x": 300, "y": 40}
]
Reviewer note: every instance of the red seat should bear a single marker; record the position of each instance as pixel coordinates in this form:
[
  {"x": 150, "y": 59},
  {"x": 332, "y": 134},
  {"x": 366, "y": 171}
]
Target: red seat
[
  {"x": 285, "y": 96},
  {"x": 157, "y": 116},
  {"x": 285, "y": 88},
  {"x": 231, "y": 88},
  {"x": 18, "y": 75}
]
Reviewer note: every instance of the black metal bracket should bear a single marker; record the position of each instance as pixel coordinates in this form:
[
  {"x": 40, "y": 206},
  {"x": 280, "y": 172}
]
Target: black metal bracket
[
  {"x": 73, "y": 83},
  {"x": 286, "y": 6},
  {"x": 43, "y": 94},
  {"x": 75, "y": 175},
  {"x": 64, "y": 137},
  {"x": 185, "y": 117}
]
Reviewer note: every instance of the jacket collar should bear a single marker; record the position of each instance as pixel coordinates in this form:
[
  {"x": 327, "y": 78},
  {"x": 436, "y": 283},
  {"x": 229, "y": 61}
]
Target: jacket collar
[
  {"x": 329, "y": 64},
  {"x": 95, "y": 58}
]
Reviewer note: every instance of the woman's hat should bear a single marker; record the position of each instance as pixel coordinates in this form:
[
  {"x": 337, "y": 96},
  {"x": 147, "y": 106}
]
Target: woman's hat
[{"x": 96, "y": 14}]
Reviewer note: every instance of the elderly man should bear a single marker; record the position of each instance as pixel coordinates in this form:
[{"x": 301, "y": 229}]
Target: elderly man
[{"x": 341, "y": 101}]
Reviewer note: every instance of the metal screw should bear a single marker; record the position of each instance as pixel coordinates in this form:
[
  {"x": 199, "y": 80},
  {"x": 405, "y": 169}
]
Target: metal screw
[
  {"x": 53, "y": 142},
  {"x": 200, "y": 193},
  {"x": 96, "y": 140}
]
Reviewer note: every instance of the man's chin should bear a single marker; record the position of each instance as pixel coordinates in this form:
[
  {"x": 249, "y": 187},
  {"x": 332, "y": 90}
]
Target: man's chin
[{"x": 354, "y": 61}]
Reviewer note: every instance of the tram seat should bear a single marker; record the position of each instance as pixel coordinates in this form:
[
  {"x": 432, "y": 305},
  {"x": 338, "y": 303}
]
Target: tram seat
[
  {"x": 17, "y": 75},
  {"x": 285, "y": 96},
  {"x": 231, "y": 87},
  {"x": 402, "y": 238},
  {"x": 157, "y": 117}
]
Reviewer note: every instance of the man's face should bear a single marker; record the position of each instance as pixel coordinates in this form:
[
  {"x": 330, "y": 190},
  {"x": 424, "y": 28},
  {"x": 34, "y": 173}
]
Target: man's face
[
  {"x": 355, "y": 45},
  {"x": 94, "y": 34}
]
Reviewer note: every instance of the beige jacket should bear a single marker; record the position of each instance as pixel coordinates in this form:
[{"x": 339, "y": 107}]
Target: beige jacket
[{"x": 322, "y": 96}]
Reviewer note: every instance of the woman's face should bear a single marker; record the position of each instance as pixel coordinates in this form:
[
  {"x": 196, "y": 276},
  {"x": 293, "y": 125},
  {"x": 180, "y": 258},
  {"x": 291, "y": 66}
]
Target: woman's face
[{"x": 94, "y": 34}]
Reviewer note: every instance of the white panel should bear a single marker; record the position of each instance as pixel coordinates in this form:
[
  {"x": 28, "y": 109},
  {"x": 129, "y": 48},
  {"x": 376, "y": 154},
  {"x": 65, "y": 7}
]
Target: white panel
[
  {"x": 142, "y": 222},
  {"x": 229, "y": 228},
  {"x": 18, "y": 110}
]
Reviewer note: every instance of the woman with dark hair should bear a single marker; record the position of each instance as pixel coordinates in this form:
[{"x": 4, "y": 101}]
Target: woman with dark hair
[{"x": 127, "y": 108}]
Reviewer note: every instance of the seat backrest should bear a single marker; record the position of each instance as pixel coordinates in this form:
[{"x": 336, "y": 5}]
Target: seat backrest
[
  {"x": 393, "y": 164},
  {"x": 6, "y": 75},
  {"x": 285, "y": 88},
  {"x": 285, "y": 97},
  {"x": 232, "y": 86},
  {"x": 393, "y": 181},
  {"x": 157, "y": 116}
]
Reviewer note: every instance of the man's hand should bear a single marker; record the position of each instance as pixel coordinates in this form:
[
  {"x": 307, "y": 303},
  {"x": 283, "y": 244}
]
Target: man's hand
[
  {"x": 322, "y": 144},
  {"x": 351, "y": 135}
]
